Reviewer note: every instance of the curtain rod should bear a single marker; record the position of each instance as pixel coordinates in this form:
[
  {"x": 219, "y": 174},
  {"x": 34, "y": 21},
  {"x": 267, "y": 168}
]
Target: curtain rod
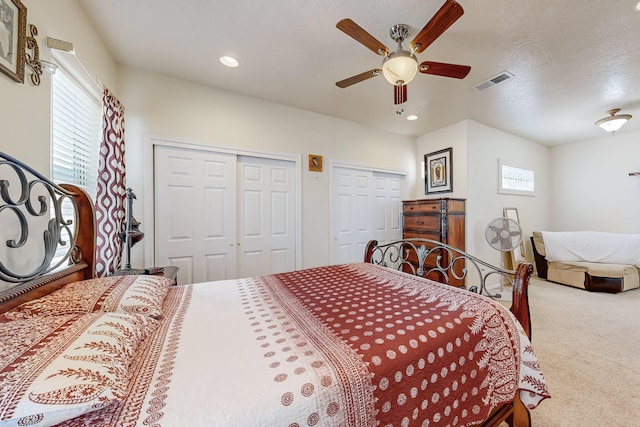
[{"x": 67, "y": 47}]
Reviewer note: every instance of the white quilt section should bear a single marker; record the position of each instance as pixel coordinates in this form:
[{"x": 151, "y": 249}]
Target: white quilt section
[{"x": 242, "y": 361}]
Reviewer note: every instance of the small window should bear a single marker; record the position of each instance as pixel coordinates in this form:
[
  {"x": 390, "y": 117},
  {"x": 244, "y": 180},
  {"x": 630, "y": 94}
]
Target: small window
[
  {"x": 515, "y": 180},
  {"x": 76, "y": 122}
]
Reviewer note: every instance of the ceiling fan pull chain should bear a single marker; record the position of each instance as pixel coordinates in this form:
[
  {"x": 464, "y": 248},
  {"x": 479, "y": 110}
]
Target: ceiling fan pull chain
[{"x": 399, "y": 97}]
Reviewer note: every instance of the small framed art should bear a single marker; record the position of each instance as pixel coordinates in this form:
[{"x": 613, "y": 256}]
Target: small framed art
[
  {"x": 438, "y": 173},
  {"x": 13, "y": 28},
  {"x": 315, "y": 163}
]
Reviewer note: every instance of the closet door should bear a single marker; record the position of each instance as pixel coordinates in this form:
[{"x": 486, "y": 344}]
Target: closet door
[
  {"x": 195, "y": 213},
  {"x": 352, "y": 220},
  {"x": 389, "y": 190},
  {"x": 366, "y": 205},
  {"x": 267, "y": 216}
]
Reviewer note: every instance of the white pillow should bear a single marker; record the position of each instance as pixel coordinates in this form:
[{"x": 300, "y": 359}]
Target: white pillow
[
  {"x": 56, "y": 368},
  {"x": 123, "y": 294}
]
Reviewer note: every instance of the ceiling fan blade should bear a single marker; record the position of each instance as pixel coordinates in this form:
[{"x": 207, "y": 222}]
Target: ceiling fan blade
[
  {"x": 443, "y": 19},
  {"x": 358, "y": 78},
  {"x": 446, "y": 70},
  {"x": 359, "y": 34}
]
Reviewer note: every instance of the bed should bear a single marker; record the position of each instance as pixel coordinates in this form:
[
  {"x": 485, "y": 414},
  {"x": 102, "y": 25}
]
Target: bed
[{"x": 359, "y": 344}]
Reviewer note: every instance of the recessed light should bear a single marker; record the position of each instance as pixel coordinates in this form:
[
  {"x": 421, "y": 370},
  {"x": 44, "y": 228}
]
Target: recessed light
[
  {"x": 412, "y": 117},
  {"x": 229, "y": 61}
]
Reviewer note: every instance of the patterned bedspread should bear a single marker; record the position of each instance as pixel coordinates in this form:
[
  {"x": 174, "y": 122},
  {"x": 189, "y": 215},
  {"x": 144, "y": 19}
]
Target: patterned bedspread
[{"x": 348, "y": 345}]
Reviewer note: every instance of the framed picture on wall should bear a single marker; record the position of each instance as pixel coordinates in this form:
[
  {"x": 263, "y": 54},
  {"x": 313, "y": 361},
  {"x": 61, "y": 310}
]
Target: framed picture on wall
[
  {"x": 13, "y": 29},
  {"x": 438, "y": 172},
  {"x": 315, "y": 163}
]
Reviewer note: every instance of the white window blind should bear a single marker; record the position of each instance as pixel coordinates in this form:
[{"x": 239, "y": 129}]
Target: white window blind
[{"x": 76, "y": 127}]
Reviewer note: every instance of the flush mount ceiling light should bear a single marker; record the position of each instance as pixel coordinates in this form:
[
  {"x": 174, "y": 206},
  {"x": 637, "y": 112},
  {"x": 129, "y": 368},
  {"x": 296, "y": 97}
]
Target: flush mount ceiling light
[
  {"x": 614, "y": 121},
  {"x": 229, "y": 61},
  {"x": 637, "y": 7}
]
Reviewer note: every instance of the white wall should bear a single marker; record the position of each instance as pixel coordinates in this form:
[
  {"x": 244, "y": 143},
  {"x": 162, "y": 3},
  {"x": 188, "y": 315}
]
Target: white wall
[
  {"x": 486, "y": 146},
  {"x": 476, "y": 150},
  {"x": 456, "y": 137},
  {"x": 26, "y": 109},
  {"x": 182, "y": 110},
  {"x": 590, "y": 185}
]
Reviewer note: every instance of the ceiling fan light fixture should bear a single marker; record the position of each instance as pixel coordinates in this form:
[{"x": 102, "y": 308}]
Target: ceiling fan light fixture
[
  {"x": 400, "y": 67},
  {"x": 614, "y": 121}
]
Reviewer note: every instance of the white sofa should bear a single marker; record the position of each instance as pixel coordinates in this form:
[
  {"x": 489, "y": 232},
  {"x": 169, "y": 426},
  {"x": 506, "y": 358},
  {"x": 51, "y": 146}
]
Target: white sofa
[{"x": 599, "y": 262}]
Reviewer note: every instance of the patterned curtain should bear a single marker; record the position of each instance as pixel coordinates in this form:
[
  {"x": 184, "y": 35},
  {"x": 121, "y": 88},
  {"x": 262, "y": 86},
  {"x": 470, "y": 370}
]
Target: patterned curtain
[{"x": 110, "y": 200}]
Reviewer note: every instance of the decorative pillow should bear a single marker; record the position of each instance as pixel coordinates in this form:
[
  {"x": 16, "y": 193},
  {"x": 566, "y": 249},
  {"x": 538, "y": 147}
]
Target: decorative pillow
[
  {"x": 56, "y": 368},
  {"x": 122, "y": 294}
]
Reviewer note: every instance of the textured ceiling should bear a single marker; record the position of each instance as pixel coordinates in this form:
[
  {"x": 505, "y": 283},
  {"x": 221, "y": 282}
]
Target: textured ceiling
[{"x": 572, "y": 59}]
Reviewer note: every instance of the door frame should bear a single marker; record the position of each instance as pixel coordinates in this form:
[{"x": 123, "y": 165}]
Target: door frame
[
  {"x": 332, "y": 193},
  {"x": 149, "y": 144}
]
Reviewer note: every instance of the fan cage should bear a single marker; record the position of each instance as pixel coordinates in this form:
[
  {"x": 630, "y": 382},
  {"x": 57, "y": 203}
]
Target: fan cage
[{"x": 503, "y": 234}]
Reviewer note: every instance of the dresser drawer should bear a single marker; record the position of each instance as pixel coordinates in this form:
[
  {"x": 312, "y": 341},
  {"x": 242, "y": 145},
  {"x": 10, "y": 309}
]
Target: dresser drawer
[
  {"x": 422, "y": 234},
  {"x": 422, "y": 207},
  {"x": 422, "y": 222}
]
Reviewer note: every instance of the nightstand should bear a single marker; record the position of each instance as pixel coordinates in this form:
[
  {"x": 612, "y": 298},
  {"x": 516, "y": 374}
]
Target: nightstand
[{"x": 170, "y": 272}]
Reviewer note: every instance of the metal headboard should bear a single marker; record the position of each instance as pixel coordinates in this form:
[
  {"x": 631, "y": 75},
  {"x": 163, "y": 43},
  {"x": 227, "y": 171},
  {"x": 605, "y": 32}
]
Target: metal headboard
[
  {"x": 33, "y": 221},
  {"x": 438, "y": 261}
]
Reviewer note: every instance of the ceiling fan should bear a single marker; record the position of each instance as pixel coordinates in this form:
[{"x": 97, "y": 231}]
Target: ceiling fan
[{"x": 400, "y": 66}]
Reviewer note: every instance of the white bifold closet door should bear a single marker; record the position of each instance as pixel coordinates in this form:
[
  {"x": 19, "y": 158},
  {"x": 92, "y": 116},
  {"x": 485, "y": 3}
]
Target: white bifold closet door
[
  {"x": 222, "y": 216},
  {"x": 267, "y": 215},
  {"x": 366, "y": 205}
]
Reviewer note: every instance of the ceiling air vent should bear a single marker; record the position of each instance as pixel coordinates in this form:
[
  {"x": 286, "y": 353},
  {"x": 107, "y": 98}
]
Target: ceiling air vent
[{"x": 505, "y": 75}]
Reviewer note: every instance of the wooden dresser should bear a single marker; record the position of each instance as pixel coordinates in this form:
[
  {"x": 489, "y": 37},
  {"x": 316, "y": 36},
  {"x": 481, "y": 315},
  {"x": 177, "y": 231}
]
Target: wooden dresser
[{"x": 436, "y": 219}]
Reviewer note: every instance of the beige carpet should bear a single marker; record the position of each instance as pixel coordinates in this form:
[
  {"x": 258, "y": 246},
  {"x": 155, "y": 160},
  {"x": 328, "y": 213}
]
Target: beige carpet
[{"x": 589, "y": 347}]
